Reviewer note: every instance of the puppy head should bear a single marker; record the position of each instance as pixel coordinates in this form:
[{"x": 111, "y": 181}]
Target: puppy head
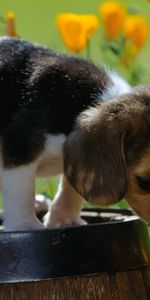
[
  {"x": 107, "y": 156},
  {"x": 138, "y": 158}
]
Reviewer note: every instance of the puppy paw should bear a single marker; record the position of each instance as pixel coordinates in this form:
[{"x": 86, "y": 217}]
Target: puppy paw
[{"x": 51, "y": 220}]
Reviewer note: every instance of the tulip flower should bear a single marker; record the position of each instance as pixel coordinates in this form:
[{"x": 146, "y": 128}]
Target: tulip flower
[
  {"x": 136, "y": 29},
  {"x": 113, "y": 15},
  {"x": 76, "y": 29},
  {"x": 90, "y": 23}
]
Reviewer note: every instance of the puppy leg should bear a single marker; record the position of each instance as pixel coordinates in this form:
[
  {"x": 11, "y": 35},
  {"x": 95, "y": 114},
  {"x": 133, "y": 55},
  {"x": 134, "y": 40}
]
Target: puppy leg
[
  {"x": 18, "y": 195},
  {"x": 65, "y": 208}
]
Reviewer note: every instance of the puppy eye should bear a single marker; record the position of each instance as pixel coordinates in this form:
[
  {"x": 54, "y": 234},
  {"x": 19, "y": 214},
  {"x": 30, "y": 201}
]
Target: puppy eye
[{"x": 144, "y": 183}]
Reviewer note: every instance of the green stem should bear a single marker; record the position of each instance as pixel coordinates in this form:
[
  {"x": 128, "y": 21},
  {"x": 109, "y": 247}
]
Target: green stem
[{"x": 88, "y": 50}]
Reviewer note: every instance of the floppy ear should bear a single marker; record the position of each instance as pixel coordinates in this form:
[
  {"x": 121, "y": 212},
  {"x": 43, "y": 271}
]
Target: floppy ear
[{"x": 93, "y": 156}]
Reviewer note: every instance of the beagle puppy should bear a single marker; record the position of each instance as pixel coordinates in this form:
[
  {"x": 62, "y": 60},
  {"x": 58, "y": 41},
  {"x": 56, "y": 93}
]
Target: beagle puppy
[{"x": 65, "y": 115}]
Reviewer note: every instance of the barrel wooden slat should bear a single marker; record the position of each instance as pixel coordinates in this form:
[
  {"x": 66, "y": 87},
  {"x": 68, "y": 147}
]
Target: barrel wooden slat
[
  {"x": 131, "y": 285},
  {"x": 146, "y": 278}
]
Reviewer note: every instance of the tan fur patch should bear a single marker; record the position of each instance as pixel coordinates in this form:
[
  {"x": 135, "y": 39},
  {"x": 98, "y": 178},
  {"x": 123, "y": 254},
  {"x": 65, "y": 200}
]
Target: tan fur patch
[{"x": 136, "y": 197}]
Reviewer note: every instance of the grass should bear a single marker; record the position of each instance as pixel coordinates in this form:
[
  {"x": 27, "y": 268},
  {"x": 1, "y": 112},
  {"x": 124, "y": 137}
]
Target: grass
[{"x": 35, "y": 21}]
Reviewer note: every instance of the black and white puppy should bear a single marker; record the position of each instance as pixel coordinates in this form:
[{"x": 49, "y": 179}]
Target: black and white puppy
[{"x": 56, "y": 118}]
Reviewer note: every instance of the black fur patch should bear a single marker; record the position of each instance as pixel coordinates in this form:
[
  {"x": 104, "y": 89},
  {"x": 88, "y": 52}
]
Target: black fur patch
[{"x": 41, "y": 92}]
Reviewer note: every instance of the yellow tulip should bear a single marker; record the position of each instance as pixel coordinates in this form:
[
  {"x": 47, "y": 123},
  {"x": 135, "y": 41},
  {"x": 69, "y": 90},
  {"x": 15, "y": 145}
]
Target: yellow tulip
[
  {"x": 113, "y": 14},
  {"x": 76, "y": 29},
  {"x": 136, "y": 29},
  {"x": 91, "y": 23},
  {"x": 10, "y": 24}
]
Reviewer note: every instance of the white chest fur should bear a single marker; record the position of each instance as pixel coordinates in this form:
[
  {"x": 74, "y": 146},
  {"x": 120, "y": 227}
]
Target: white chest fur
[
  {"x": 119, "y": 86},
  {"x": 51, "y": 161}
]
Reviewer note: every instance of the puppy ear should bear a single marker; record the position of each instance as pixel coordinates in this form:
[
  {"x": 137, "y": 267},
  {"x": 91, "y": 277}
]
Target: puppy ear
[{"x": 93, "y": 156}]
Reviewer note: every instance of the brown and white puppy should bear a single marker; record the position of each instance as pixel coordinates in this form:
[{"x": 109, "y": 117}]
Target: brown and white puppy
[
  {"x": 62, "y": 114},
  {"x": 107, "y": 157}
]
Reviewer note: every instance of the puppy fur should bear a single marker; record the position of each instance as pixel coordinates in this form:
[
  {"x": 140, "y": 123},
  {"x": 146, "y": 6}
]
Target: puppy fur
[{"x": 64, "y": 115}]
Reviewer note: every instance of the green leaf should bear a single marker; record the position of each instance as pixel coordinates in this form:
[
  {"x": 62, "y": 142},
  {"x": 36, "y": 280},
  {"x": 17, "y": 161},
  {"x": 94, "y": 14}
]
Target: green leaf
[{"x": 112, "y": 46}]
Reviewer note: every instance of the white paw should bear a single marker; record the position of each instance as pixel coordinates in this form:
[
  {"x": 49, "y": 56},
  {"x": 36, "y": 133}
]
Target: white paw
[
  {"x": 23, "y": 225},
  {"x": 52, "y": 220}
]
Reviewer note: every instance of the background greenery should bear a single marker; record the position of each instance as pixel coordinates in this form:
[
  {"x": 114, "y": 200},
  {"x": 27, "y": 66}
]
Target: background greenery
[{"x": 35, "y": 21}]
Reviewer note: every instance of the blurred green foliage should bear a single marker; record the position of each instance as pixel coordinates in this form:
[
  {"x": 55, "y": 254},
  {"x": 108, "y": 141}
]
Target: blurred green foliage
[{"x": 35, "y": 21}]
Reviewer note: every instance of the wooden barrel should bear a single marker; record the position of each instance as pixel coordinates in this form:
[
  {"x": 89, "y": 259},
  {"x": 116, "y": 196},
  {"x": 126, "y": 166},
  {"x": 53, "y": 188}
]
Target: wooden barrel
[{"x": 107, "y": 259}]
